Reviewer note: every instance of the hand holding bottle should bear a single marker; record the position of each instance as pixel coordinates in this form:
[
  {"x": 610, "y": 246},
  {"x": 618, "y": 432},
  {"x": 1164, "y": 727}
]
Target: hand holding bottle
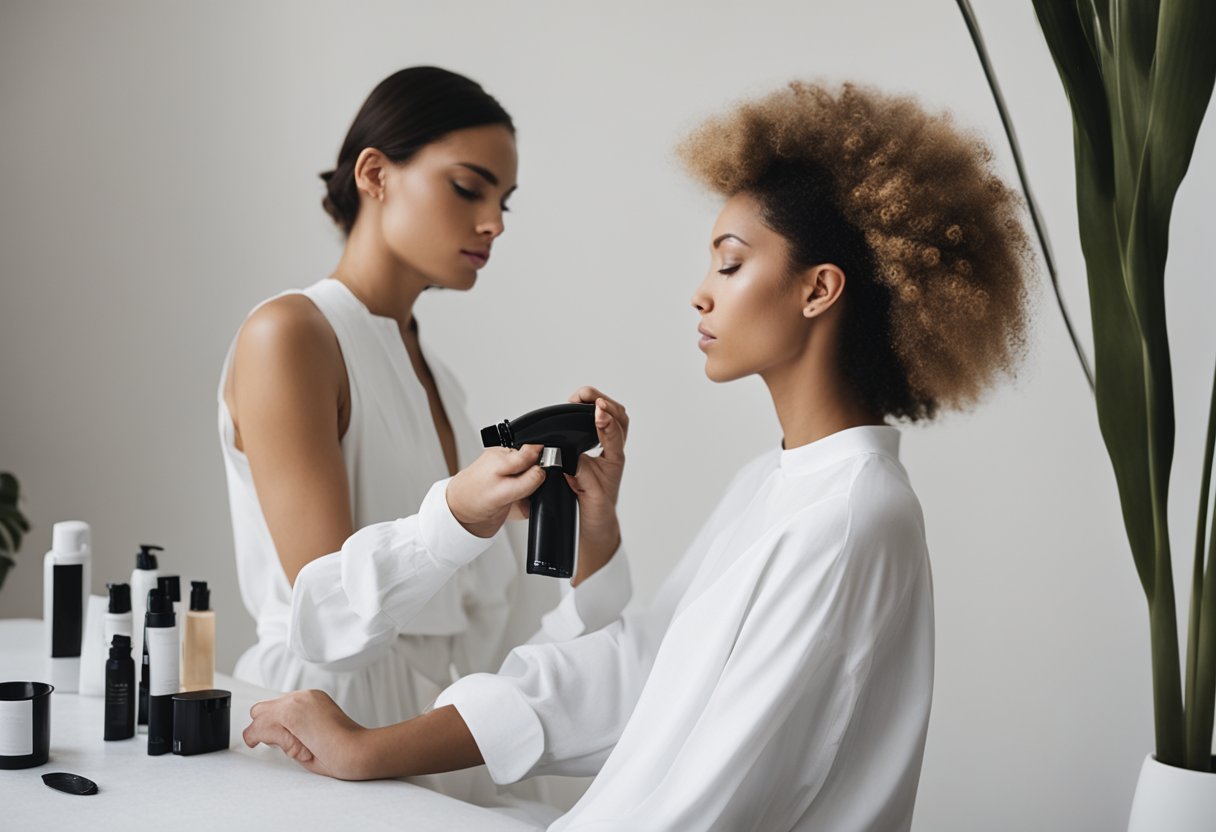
[
  {"x": 597, "y": 484},
  {"x": 482, "y": 496}
]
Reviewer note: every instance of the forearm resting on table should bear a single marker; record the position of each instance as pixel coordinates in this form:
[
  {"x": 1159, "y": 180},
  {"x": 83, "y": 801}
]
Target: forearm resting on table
[{"x": 433, "y": 742}]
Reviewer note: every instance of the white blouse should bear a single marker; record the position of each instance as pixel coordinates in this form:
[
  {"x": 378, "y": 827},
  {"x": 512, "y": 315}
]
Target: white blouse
[
  {"x": 781, "y": 680},
  {"x": 390, "y": 620}
]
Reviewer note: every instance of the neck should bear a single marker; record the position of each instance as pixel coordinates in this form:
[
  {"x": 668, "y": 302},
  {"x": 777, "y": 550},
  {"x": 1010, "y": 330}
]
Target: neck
[
  {"x": 377, "y": 277},
  {"x": 813, "y": 399}
]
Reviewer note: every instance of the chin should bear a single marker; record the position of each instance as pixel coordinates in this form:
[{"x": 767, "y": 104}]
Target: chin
[
  {"x": 715, "y": 374},
  {"x": 455, "y": 283}
]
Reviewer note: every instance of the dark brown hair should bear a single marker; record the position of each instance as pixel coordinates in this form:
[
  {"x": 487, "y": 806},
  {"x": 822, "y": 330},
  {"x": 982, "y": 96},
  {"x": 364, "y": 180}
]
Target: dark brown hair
[{"x": 405, "y": 112}]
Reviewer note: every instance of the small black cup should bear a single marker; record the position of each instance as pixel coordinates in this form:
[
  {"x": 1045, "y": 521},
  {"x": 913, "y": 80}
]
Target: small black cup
[{"x": 26, "y": 707}]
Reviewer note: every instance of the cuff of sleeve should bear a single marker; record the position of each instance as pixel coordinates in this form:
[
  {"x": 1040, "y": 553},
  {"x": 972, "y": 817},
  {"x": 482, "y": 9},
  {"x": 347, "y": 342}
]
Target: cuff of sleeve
[
  {"x": 601, "y": 598},
  {"x": 441, "y": 533},
  {"x": 595, "y": 603},
  {"x": 506, "y": 729}
]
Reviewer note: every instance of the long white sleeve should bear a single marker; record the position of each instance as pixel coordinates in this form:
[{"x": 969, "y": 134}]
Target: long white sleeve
[
  {"x": 751, "y": 742},
  {"x": 787, "y": 688},
  {"x": 558, "y": 707},
  {"x": 596, "y": 602},
  {"x": 347, "y": 607}
]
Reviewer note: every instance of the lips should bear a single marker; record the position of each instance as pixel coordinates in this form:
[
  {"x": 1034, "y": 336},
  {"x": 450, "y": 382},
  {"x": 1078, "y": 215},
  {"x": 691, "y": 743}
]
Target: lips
[
  {"x": 707, "y": 337},
  {"x": 478, "y": 257}
]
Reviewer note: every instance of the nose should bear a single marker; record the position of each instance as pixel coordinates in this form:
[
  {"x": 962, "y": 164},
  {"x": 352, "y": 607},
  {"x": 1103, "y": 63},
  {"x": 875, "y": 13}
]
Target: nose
[
  {"x": 701, "y": 301},
  {"x": 491, "y": 225}
]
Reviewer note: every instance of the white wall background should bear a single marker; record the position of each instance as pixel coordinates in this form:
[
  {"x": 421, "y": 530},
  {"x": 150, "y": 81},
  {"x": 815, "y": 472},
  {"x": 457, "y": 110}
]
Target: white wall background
[{"x": 158, "y": 170}]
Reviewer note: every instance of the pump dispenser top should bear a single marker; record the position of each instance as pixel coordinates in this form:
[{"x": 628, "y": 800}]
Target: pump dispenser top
[
  {"x": 120, "y": 647},
  {"x": 120, "y": 598},
  {"x": 200, "y": 596},
  {"x": 144, "y": 558},
  {"x": 171, "y": 586}
]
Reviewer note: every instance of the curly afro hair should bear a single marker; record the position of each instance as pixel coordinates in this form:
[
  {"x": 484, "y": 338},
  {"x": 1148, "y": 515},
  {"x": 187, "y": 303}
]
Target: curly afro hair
[{"x": 930, "y": 239}]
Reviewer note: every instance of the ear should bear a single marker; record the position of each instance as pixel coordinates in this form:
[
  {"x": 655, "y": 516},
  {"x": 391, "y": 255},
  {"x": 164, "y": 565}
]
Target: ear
[
  {"x": 371, "y": 172},
  {"x": 821, "y": 287}
]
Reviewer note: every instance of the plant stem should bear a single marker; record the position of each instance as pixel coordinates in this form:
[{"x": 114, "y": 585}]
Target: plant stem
[
  {"x": 1200, "y": 661},
  {"x": 1040, "y": 228}
]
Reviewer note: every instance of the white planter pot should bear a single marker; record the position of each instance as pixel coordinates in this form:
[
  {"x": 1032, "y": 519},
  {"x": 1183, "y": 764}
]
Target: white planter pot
[{"x": 1170, "y": 799}]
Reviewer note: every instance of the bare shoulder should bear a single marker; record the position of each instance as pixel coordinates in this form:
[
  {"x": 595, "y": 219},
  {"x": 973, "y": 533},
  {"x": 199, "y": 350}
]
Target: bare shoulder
[
  {"x": 288, "y": 342},
  {"x": 291, "y": 322}
]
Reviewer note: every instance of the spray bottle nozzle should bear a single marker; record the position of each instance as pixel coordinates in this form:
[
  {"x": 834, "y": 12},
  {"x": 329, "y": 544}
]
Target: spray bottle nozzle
[{"x": 566, "y": 431}]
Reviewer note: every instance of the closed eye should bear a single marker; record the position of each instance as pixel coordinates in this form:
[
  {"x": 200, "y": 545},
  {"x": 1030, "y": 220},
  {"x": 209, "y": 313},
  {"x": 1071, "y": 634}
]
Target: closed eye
[
  {"x": 465, "y": 193},
  {"x": 729, "y": 269}
]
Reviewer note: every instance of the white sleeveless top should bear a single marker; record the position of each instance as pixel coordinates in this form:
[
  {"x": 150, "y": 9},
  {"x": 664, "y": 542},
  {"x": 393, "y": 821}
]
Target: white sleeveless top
[{"x": 393, "y": 458}]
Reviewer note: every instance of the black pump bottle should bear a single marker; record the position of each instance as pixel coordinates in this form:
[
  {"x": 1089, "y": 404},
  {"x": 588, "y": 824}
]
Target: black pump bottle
[
  {"x": 566, "y": 431},
  {"x": 120, "y": 690}
]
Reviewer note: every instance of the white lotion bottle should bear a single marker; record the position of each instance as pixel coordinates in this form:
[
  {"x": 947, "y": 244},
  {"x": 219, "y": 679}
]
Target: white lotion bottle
[
  {"x": 143, "y": 581},
  {"x": 66, "y": 575},
  {"x": 119, "y": 621}
]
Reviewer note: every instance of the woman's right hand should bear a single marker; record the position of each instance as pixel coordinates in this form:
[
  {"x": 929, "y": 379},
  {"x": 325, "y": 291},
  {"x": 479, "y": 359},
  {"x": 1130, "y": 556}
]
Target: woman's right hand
[{"x": 482, "y": 495}]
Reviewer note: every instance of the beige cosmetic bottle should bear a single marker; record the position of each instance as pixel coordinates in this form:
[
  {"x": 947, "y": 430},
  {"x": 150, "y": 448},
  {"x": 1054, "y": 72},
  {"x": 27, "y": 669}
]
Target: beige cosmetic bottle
[{"x": 198, "y": 644}]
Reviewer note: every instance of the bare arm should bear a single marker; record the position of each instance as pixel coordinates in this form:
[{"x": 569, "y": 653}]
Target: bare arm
[
  {"x": 287, "y": 381},
  {"x": 314, "y": 731}
]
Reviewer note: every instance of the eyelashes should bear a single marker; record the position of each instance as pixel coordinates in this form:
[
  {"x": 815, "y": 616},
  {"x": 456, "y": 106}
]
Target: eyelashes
[
  {"x": 729, "y": 269},
  {"x": 472, "y": 196}
]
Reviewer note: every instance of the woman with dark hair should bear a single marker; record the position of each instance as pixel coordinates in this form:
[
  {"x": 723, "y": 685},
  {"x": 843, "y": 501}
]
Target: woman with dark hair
[
  {"x": 336, "y": 418},
  {"x": 868, "y": 265}
]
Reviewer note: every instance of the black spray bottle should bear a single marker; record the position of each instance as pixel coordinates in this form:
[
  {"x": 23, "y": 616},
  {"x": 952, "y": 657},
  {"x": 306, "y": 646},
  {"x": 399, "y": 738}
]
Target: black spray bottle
[
  {"x": 163, "y": 652},
  {"x": 566, "y": 431},
  {"x": 120, "y": 690}
]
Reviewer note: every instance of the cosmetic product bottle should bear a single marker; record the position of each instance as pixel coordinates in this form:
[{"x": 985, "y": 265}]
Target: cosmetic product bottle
[
  {"x": 120, "y": 689},
  {"x": 163, "y": 650},
  {"x": 93, "y": 648},
  {"x": 566, "y": 431},
  {"x": 118, "y": 613},
  {"x": 198, "y": 643},
  {"x": 171, "y": 585},
  {"x": 201, "y": 721},
  {"x": 65, "y": 586},
  {"x": 143, "y": 581}
]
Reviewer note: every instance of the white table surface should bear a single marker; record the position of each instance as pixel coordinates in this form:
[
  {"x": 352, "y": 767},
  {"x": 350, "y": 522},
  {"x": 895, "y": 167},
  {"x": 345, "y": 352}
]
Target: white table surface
[{"x": 237, "y": 789}]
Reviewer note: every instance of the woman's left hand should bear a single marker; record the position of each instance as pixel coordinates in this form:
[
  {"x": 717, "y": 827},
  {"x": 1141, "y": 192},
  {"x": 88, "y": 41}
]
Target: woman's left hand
[
  {"x": 598, "y": 483},
  {"x": 309, "y": 727}
]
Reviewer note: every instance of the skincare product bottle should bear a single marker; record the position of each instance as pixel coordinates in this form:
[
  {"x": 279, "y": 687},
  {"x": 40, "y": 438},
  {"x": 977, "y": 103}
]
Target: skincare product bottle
[
  {"x": 120, "y": 689},
  {"x": 65, "y": 586},
  {"x": 171, "y": 585},
  {"x": 118, "y": 613},
  {"x": 143, "y": 581},
  {"x": 201, "y": 721},
  {"x": 198, "y": 643},
  {"x": 93, "y": 648},
  {"x": 163, "y": 650}
]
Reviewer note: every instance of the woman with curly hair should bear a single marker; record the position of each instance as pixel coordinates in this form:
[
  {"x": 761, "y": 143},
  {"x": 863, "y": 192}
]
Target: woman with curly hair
[{"x": 869, "y": 266}]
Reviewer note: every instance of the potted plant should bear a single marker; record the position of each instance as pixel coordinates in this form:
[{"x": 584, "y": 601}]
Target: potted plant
[
  {"x": 13, "y": 524},
  {"x": 1139, "y": 76}
]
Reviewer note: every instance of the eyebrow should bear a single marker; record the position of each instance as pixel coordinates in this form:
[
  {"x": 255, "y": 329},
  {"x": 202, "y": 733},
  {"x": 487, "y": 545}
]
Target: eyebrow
[
  {"x": 718, "y": 241},
  {"x": 480, "y": 171},
  {"x": 487, "y": 175}
]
